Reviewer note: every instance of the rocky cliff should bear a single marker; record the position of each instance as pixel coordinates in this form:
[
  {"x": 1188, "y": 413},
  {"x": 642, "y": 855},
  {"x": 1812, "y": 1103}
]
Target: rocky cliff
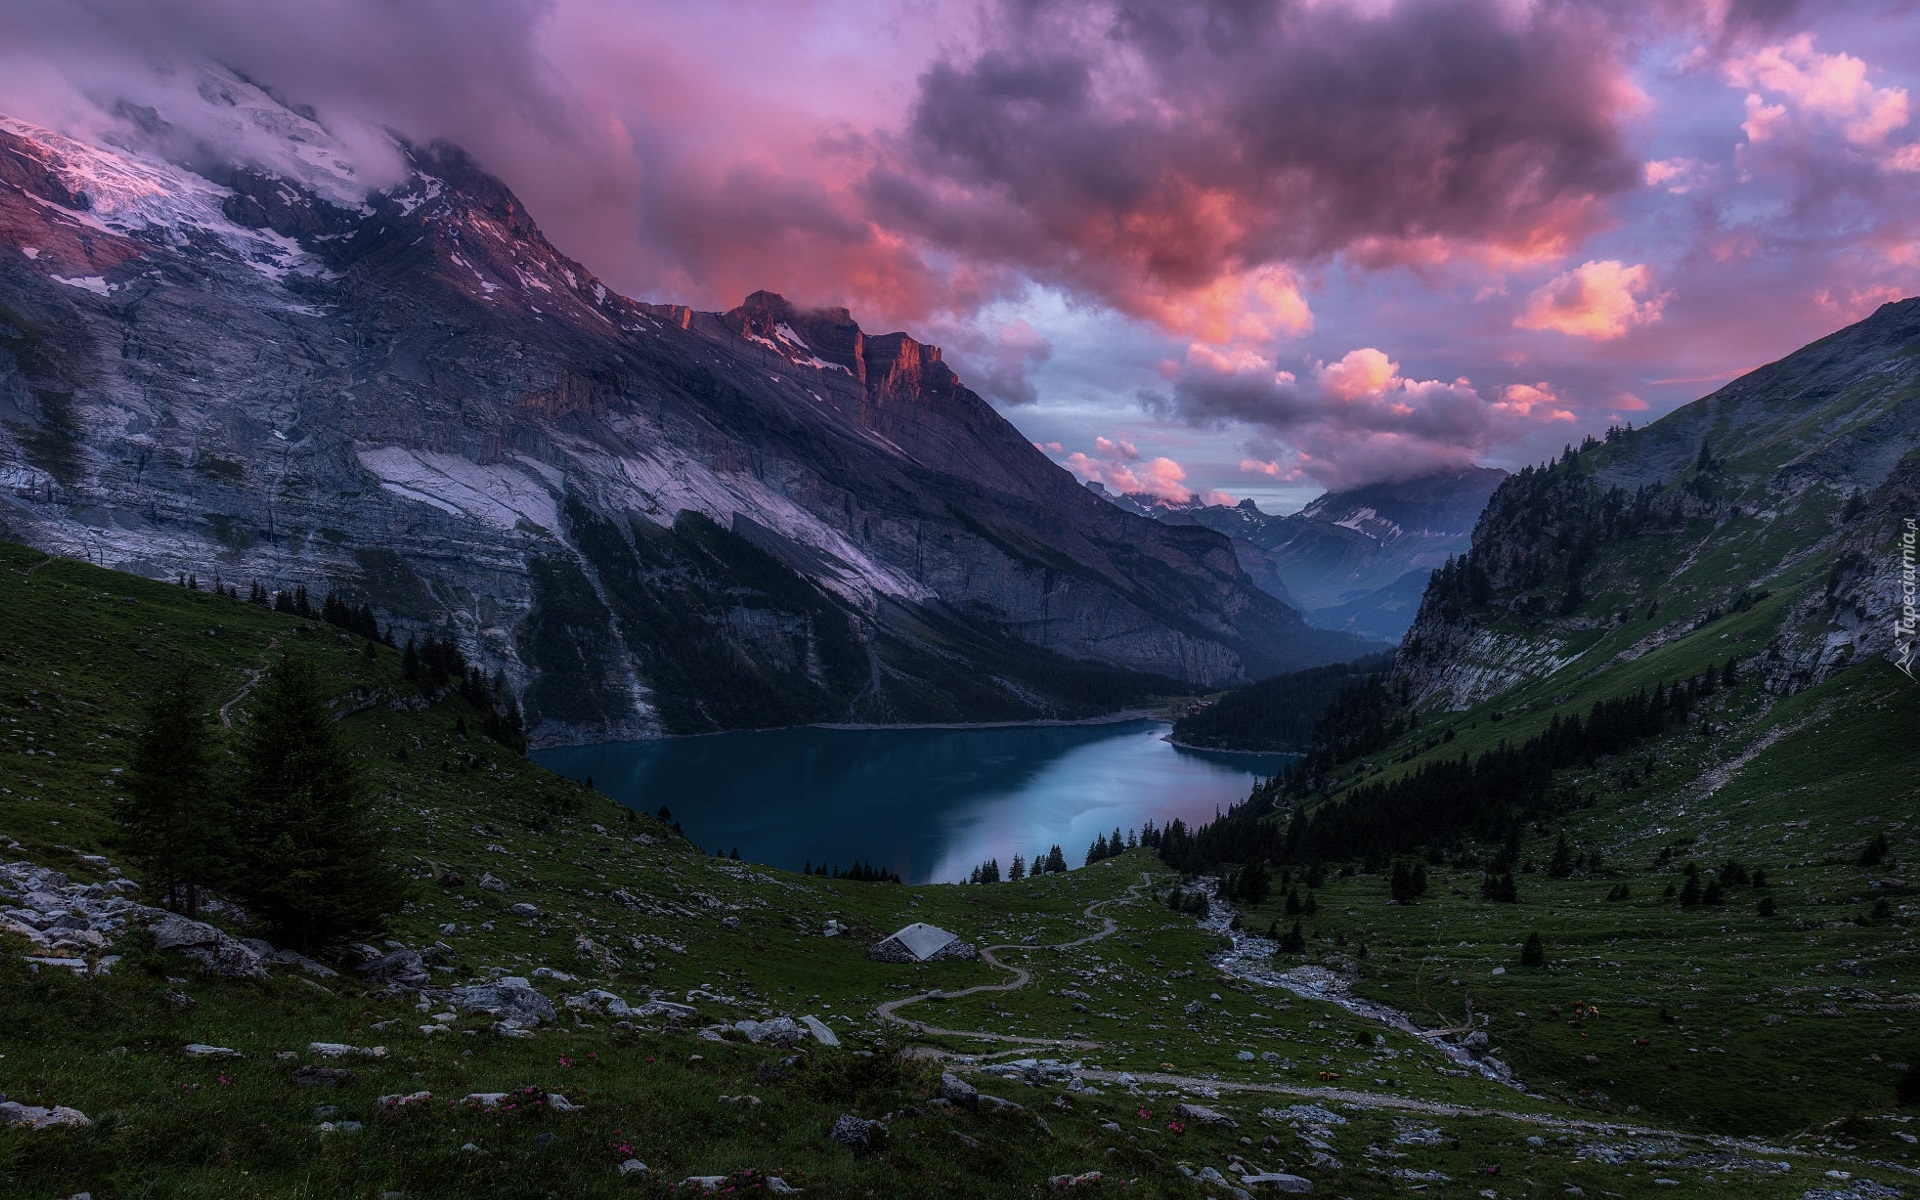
[{"x": 644, "y": 518}]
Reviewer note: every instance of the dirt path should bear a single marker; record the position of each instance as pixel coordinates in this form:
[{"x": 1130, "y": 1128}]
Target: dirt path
[
  {"x": 889, "y": 1011},
  {"x": 253, "y": 677}
]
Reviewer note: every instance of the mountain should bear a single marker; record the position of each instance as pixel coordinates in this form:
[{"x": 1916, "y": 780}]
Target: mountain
[
  {"x": 1356, "y": 560},
  {"x": 1763, "y": 521},
  {"x": 645, "y": 519}
]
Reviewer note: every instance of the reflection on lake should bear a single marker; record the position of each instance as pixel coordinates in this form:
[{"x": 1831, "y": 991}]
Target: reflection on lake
[{"x": 928, "y": 803}]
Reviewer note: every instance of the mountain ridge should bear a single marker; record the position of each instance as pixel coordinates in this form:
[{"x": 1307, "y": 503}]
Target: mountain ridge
[{"x": 646, "y": 519}]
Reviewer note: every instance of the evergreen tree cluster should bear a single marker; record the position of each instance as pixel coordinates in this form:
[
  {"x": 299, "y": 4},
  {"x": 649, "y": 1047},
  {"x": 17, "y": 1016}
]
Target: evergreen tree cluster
[
  {"x": 1408, "y": 882},
  {"x": 1105, "y": 847},
  {"x": 1543, "y": 527},
  {"x": 1280, "y": 713},
  {"x": 289, "y": 831},
  {"x": 861, "y": 871},
  {"x": 436, "y": 666}
]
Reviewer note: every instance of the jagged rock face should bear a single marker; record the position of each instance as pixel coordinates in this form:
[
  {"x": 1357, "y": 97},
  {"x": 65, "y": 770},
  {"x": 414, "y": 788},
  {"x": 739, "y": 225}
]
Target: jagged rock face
[
  {"x": 1356, "y": 560},
  {"x": 1798, "y": 477},
  {"x": 646, "y": 518}
]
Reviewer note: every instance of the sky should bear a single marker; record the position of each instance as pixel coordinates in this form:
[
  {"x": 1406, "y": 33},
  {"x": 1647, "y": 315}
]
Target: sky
[{"x": 1217, "y": 249}]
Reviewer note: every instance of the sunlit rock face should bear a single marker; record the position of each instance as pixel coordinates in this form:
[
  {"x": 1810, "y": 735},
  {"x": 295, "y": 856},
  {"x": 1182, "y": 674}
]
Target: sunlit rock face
[{"x": 645, "y": 519}]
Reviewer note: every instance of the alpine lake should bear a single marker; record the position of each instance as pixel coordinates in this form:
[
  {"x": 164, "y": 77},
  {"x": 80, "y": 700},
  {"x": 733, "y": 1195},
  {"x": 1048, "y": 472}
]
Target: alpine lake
[{"x": 930, "y": 804}]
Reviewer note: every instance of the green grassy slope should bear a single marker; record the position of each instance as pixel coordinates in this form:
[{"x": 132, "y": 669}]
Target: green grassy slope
[{"x": 623, "y": 905}]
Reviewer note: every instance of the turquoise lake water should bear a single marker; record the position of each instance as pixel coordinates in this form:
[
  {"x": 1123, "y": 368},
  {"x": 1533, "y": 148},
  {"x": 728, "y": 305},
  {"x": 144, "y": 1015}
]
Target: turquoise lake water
[{"x": 928, "y": 803}]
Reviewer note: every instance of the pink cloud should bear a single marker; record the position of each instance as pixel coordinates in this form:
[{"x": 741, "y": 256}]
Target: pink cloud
[
  {"x": 1117, "y": 450},
  {"x": 1160, "y": 478},
  {"x": 1832, "y": 87},
  {"x": 1600, "y": 300}
]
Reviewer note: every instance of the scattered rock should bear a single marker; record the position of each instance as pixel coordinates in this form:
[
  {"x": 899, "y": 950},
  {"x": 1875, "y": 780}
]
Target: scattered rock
[
  {"x": 197, "y": 1050},
  {"x": 321, "y": 1076},
  {"x": 179, "y": 999},
  {"x": 489, "y": 882},
  {"x": 523, "y": 909},
  {"x": 858, "y": 1134},
  {"x": 632, "y": 1166},
  {"x": 342, "y": 1050},
  {"x": 730, "y": 923}
]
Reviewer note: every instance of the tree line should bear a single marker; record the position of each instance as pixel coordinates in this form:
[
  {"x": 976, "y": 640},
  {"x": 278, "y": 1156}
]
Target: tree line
[{"x": 1442, "y": 802}]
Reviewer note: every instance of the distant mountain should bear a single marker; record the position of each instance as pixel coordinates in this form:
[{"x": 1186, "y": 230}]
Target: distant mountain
[
  {"x": 641, "y": 517},
  {"x": 1357, "y": 560}
]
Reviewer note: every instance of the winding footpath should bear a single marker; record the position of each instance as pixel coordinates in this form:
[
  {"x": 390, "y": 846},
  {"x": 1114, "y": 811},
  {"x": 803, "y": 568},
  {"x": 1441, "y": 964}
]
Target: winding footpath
[
  {"x": 890, "y": 1010},
  {"x": 1384, "y": 1101}
]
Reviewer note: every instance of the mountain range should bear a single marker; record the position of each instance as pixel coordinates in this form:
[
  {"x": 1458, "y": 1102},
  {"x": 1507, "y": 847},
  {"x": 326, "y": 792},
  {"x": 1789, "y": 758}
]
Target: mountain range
[
  {"x": 639, "y": 517},
  {"x": 1355, "y": 560}
]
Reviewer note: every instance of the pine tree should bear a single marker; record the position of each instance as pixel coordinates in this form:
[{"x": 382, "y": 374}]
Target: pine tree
[
  {"x": 173, "y": 817},
  {"x": 1018, "y": 870},
  {"x": 1533, "y": 954},
  {"x": 1295, "y": 942},
  {"x": 1056, "y": 861},
  {"x": 1254, "y": 882},
  {"x": 309, "y": 853},
  {"x": 1293, "y": 902},
  {"x": 1561, "y": 864},
  {"x": 1766, "y": 907}
]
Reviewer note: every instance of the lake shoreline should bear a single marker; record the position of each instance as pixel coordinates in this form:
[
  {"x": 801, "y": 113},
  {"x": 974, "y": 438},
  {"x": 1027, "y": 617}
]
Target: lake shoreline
[
  {"x": 1119, "y": 717},
  {"x": 1170, "y": 740}
]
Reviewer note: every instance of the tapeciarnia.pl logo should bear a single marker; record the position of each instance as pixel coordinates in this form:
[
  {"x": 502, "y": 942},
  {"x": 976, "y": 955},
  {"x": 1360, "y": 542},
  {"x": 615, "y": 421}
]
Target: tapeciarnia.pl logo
[{"x": 1906, "y": 626}]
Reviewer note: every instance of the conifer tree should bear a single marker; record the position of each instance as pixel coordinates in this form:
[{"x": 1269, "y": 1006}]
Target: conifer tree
[
  {"x": 1018, "y": 870},
  {"x": 309, "y": 853},
  {"x": 173, "y": 817},
  {"x": 1056, "y": 861},
  {"x": 1560, "y": 866},
  {"x": 1533, "y": 954}
]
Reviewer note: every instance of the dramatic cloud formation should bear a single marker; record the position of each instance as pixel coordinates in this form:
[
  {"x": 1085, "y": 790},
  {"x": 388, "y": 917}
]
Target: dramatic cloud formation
[
  {"x": 1595, "y": 300},
  {"x": 1590, "y": 207},
  {"x": 1170, "y": 160}
]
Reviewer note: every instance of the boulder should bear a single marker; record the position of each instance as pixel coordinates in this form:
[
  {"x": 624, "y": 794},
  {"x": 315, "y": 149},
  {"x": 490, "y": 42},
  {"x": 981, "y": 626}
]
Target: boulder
[
  {"x": 858, "y": 1134},
  {"x": 403, "y": 967},
  {"x": 523, "y": 909},
  {"x": 783, "y": 1030},
  {"x": 956, "y": 1090},
  {"x": 1277, "y": 1181},
  {"x": 632, "y": 1166},
  {"x": 34, "y": 1117},
  {"x": 819, "y": 1030},
  {"x": 197, "y": 1050},
  {"x": 664, "y": 1008},
  {"x": 598, "y": 1000},
  {"x": 174, "y": 932},
  {"x": 511, "y": 996},
  {"x": 1201, "y": 1115},
  {"x": 492, "y": 883},
  {"x": 293, "y": 958}
]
